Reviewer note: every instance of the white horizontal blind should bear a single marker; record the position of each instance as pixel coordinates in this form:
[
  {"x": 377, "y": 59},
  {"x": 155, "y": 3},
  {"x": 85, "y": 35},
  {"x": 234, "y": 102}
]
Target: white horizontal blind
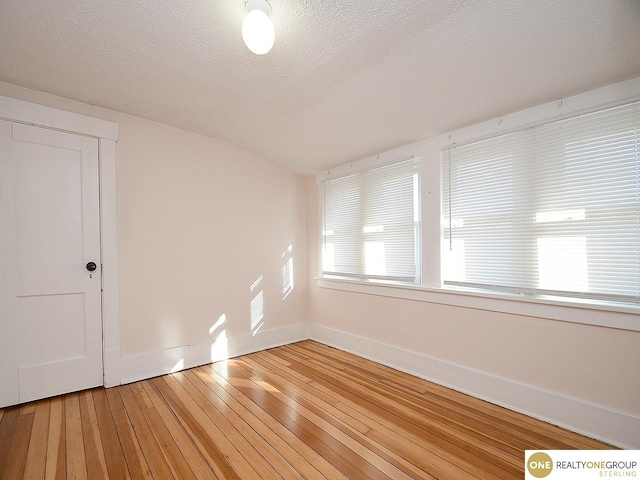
[
  {"x": 553, "y": 209},
  {"x": 370, "y": 224}
]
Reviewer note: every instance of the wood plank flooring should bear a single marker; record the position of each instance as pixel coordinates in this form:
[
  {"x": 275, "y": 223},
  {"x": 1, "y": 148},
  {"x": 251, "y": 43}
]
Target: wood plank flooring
[{"x": 299, "y": 411}]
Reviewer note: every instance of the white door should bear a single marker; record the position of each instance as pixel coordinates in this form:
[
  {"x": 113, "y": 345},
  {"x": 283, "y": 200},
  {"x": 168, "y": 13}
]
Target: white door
[{"x": 50, "y": 310}]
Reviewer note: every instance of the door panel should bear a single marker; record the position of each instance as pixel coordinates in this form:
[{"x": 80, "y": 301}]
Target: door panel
[
  {"x": 48, "y": 224},
  {"x": 49, "y": 379},
  {"x": 51, "y": 320},
  {"x": 63, "y": 312}
]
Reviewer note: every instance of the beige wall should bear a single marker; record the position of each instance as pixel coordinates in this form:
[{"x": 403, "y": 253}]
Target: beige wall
[
  {"x": 595, "y": 364},
  {"x": 199, "y": 220}
]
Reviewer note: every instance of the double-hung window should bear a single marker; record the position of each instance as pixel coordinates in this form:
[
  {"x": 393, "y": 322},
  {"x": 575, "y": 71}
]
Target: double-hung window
[
  {"x": 550, "y": 210},
  {"x": 371, "y": 224}
]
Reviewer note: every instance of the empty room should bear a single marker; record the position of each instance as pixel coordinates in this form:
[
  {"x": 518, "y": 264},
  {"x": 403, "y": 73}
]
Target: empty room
[{"x": 285, "y": 239}]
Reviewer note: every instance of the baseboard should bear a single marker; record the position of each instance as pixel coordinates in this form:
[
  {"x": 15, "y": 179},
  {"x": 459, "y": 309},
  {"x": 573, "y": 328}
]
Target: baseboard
[
  {"x": 159, "y": 362},
  {"x": 613, "y": 427}
]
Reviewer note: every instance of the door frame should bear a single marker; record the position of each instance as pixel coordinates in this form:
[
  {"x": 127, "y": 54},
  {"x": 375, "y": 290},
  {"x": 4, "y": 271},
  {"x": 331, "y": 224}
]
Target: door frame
[{"x": 19, "y": 111}]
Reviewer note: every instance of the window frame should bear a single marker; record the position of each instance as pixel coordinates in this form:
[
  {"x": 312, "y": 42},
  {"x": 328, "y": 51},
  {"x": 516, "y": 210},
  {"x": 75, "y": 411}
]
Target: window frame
[
  {"x": 371, "y": 278},
  {"x": 431, "y": 290},
  {"x": 520, "y": 206}
]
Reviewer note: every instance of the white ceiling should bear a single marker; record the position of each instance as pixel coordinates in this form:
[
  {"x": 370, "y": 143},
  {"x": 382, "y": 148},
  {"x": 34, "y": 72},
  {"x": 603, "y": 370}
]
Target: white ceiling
[{"x": 345, "y": 79}]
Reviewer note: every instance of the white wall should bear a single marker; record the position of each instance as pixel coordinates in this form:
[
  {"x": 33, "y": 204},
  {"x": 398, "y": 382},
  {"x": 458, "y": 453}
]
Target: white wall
[{"x": 199, "y": 220}]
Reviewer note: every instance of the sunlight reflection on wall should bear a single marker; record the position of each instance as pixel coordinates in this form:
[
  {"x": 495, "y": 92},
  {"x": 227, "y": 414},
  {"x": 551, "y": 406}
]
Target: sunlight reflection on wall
[
  {"x": 257, "y": 306},
  {"x": 287, "y": 272},
  {"x": 219, "y": 347}
]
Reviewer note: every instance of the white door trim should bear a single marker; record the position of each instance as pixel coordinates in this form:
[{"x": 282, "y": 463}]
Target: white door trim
[
  {"x": 106, "y": 132},
  {"x": 26, "y": 112},
  {"x": 109, "y": 251}
]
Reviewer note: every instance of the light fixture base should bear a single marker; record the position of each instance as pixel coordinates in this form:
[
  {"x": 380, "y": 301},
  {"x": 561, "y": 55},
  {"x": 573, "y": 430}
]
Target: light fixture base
[{"x": 262, "y": 5}]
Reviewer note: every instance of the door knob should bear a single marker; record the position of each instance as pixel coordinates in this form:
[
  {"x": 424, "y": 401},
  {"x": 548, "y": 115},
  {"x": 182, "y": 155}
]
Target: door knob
[{"x": 91, "y": 266}]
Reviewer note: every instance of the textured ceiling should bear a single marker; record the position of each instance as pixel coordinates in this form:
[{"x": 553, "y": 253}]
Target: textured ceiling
[{"x": 345, "y": 79}]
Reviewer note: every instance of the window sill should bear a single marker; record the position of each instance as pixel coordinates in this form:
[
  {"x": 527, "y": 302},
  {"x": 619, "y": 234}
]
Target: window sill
[{"x": 603, "y": 314}]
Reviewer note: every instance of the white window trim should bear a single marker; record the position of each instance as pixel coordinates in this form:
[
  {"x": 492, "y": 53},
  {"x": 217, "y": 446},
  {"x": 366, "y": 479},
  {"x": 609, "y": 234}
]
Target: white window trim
[
  {"x": 431, "y": 290},
  {"x": 601, "y": 314}
]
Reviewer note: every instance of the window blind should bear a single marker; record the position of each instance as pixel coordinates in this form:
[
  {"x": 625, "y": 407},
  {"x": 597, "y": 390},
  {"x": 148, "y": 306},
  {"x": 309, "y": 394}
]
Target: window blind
[
  {"x": 553, "y": 209},
  {"x": 371, "y": 224}
]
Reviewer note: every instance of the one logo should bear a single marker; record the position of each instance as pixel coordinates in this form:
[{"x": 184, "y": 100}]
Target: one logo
[{"x": 539, "y": 465}]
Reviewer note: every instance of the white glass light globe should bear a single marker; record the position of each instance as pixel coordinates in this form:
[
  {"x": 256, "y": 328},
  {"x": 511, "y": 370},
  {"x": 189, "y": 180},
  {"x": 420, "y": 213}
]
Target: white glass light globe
[{"x": 257, "y": 32}]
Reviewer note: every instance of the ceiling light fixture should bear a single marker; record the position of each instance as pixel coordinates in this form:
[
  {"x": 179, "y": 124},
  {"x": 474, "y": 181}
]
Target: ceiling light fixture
[{"x": 257, "y": 30}]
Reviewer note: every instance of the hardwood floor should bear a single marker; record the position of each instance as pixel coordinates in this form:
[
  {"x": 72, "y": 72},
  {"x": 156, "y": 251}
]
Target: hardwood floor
[{"x": 300, "y": 411}]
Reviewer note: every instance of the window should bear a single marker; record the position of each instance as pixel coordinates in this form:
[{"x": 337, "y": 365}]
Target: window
[
  {"x": 551, "y": 210},
  {"x": 371, "y": 224}
]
